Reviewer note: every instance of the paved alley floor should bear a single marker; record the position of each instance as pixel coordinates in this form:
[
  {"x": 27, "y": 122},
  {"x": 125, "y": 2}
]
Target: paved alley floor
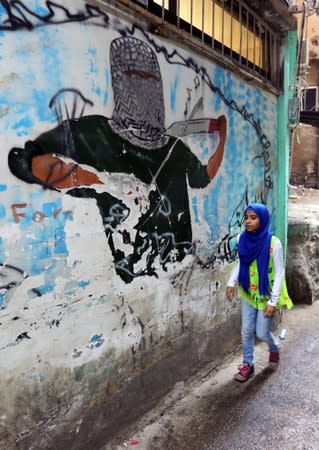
[{"x": 271, "y": 411}]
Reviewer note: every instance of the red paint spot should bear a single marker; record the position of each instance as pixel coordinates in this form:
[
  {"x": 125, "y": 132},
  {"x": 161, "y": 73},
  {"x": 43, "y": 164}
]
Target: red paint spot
[{"x": 213, "y": 126}]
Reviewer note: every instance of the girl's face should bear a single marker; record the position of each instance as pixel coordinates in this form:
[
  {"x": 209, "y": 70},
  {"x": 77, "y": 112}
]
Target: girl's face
[{"x": 251, "y": 221}]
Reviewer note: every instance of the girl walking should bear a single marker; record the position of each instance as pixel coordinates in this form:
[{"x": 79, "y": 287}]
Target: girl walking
[{"x": 260, "y": 274}]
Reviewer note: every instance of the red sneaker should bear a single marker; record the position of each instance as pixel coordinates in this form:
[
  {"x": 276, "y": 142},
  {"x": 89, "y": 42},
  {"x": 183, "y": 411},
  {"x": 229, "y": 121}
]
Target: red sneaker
[
  {"x": 246, "y": 371},
  {"x": 273, "y": 360}
]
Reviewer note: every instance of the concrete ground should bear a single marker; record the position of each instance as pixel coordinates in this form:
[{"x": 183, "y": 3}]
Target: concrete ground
[
  {"x": 303, "y": 205},
  {"x": 273, "y": 410}
]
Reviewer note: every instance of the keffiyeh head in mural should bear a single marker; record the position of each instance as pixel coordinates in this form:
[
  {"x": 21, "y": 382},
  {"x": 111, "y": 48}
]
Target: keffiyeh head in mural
[{"x": 138, "y": 114}]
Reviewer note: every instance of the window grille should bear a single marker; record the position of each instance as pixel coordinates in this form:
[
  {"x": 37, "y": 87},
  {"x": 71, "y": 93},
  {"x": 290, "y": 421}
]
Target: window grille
[
  {"x": 309, "y": 99},
  {"x": 230, "y": 28}
]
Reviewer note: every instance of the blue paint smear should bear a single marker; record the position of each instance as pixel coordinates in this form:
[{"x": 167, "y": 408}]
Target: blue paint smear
[
  {"x": 3, "y": 187},
  {"x": 50, "y": 208},
  {"x": 204, "y": 146},
  {"x": 92, "y": 51},
  {"x": 52, "y": 69},
  {"x": 45, "y": 288},
  {"x": 195, "y": 209},
  {"x": 60, "y": 246},
  {"x": 23, "y": 126},
  {"x": 173, "y": 92},
  {"x": 96, "y": 341},
  {"x": 41, "y": 103},
  {"x": 93, "y": 68},
  {"x": 107, "y": 87},
  {"x": 218, "y": 79},
  {"x": 35, "y": 6},
  {"x": 2, "y": 251},
  {"x": 2, "y": 300},
  {"x": 83, "y": 283}
]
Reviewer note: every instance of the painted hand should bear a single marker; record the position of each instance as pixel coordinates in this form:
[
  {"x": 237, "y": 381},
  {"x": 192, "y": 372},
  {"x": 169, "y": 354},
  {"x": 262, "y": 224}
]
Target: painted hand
[{"x": 216, "y": 160}]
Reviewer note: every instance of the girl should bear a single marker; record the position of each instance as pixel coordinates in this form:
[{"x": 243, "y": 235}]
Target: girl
[{"x": 262, "y": 286}]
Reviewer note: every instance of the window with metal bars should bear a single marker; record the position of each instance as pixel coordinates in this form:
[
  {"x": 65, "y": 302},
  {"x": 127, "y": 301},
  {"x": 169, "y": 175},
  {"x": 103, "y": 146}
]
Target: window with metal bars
[{"x": 230, "y": 28}]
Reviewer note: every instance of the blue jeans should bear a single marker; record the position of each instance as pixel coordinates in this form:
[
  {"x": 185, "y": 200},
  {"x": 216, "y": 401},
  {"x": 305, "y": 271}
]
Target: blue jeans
[{"x": 253, "y": 321}]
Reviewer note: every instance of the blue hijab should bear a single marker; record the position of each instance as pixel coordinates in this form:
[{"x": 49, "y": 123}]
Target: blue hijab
[{"x": 255, "y": 245}]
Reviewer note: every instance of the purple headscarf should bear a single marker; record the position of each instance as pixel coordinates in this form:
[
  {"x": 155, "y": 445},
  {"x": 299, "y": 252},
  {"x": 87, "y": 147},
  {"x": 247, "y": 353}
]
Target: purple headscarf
[{"x": 255, "y": 245}]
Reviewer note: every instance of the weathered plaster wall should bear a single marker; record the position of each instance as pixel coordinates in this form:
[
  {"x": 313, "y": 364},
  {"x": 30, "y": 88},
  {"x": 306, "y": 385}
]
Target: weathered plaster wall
[
  {"x": 116, "y": 237},
  {"x": 302, "y": 260}
]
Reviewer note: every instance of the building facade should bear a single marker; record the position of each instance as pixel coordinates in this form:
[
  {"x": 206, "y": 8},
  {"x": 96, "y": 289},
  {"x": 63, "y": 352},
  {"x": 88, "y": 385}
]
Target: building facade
[
  {"x": 305, "y": 149},
  {"x": 134, "y": 134}
]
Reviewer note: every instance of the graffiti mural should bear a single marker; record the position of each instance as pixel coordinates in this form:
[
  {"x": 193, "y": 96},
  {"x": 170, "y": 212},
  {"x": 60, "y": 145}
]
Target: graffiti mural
[
  {"x": 127, "y": 163},
  {"x": 155, "y": 156},
  {"x": 133, "y": 141}
]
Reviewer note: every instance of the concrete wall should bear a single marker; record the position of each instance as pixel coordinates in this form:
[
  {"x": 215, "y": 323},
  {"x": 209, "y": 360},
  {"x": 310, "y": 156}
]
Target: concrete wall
[
  {"x": 302, "y": 260},
  {"x": 116, "y": 237}
]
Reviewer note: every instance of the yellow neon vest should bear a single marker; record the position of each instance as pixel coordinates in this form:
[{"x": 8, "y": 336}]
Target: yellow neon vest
[{"x": 253, "y": 296}]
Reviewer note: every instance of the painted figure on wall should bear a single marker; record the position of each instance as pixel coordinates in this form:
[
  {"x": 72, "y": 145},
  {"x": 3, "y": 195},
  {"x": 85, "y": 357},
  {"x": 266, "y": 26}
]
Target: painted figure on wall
[{"x": 73, "y": 156}]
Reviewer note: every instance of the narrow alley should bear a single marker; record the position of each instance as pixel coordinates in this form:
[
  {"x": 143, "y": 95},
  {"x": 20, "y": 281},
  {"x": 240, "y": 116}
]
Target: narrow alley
[
  {"x": 272, "y": 410},
  {"x": 136, "y": 134}
]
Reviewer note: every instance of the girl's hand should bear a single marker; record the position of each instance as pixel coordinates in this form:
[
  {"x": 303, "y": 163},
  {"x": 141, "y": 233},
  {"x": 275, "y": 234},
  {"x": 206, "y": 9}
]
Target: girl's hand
[
  {"x": 230, "y": 293},
  {"x": 269, "y": 311}
]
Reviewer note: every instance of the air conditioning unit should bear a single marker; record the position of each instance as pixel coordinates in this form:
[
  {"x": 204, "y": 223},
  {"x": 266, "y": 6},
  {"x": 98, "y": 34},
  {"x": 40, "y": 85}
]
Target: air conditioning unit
[{"x": 304, "y": 54}]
